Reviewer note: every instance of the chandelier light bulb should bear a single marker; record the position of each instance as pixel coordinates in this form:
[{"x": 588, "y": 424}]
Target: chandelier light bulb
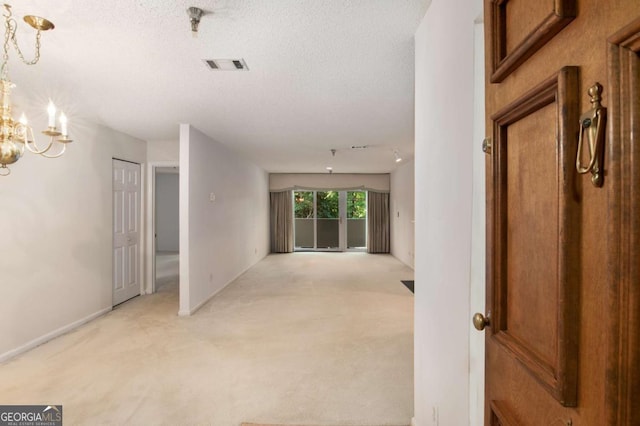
[
  {"x": 63, "y": 124},
  {"x": 23, "y": 119},
  {"x": 51, "y": 110}
]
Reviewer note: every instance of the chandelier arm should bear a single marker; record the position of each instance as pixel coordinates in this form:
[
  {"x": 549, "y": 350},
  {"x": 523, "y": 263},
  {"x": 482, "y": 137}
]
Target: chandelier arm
[
  {"x": 36, "y": 149},
  {"x": 30, "y": 142},
  {"x": 64, "y": 147}
]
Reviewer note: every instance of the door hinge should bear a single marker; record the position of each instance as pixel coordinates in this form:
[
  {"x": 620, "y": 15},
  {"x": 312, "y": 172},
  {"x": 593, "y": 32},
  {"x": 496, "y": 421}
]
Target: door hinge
[{"x": 486, "y": 145}]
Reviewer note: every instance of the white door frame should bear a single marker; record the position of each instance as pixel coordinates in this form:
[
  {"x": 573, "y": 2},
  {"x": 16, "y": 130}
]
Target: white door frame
[
  {"x": 150, "y": 223},
  {"x": 478, "y": 237}
]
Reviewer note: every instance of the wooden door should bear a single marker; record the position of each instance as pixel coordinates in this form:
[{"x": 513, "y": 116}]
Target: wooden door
[
  {"x": 126, "y": 231},
  {"x": 562, "y": 254}
]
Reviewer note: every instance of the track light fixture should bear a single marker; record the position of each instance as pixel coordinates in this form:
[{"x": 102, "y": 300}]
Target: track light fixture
[{"x": 195, "y": 13}]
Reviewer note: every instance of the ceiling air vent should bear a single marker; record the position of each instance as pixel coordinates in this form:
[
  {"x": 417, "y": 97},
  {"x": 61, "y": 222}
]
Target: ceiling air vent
[{"x": 226, "y": 64}]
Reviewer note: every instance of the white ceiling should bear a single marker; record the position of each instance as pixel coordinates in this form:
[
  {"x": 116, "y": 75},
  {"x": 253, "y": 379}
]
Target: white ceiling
[{"x": 323, "y": 74}]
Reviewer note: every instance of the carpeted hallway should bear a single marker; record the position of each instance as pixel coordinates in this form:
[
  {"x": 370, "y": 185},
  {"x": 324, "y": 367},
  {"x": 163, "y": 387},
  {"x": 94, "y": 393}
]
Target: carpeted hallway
[{"x": 303, "y": 338}]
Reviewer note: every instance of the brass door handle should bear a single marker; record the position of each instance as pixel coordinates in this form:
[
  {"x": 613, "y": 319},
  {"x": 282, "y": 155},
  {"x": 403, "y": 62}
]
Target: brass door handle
[
  {"x": 480, "y": 321},
  {"x": 592, "y": 123}
]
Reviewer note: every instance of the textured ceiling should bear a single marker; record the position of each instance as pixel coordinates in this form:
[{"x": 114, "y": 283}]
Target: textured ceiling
[{"x": 323, "y": 74}]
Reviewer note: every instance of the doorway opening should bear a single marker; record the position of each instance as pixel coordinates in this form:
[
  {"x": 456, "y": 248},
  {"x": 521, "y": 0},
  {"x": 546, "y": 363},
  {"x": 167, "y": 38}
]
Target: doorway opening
[
  {"x": 326, "y": 220},
  {"x": 167, "y": 229},
  {"x": 163, "y": 228}
]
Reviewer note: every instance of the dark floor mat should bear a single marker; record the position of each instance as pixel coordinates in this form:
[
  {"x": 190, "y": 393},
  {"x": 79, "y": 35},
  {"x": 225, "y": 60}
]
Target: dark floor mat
[{"x": 408, "y": 284}]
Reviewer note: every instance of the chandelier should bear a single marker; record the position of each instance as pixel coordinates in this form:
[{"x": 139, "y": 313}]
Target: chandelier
[{"x": 16, "y": 135}]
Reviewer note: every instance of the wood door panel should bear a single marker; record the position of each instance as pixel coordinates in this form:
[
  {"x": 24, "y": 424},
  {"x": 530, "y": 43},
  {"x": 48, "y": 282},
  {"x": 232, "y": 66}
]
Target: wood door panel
[
  {"x": 531, "y": 239},
  {"x": 520, "y": 28},
  {"x": 535, "y": 288},
  {"x": 623, "y": 366},
  {"x": 521, "y": 19},
  {"x": 603, "y": 258},
  {"x": 524, "y": 409},
  {"x": 501, "y": 415}
]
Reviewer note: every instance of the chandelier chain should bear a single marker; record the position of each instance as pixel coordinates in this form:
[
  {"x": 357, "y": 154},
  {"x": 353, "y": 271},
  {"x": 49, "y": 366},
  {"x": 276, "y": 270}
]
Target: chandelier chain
[
  {"x": 7, "y": 32},
  {"x": 37, "y": 54},
  {"x": 10, "y": 34}
]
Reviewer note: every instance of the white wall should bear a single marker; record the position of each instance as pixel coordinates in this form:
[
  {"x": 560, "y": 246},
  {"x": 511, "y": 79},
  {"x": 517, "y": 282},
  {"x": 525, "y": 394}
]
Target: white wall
[
  {"x": 167, "y": 212},
  {"x": 402, "y": 213},
  {"x": 56, "y": 227},
  {"x": 163, "y": 151},
  {"x": 443, "y": 163},
  {"x": 219, "y": 239}
]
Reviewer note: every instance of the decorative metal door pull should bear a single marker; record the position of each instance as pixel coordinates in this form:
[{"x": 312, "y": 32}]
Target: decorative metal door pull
[{"x": 593, "y": 123}]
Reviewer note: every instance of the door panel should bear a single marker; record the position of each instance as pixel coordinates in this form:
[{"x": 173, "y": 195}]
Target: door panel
[
  {"x": 501, "y": 416},
  {"x": 304, "y": 219},
  {"x": 623, "y": 230},
  {"x": 549, "y": 358},
  {"x": 327, "y": 220},
  {"x": 519, "y": 28},
  {"x": 521, "y": 19},
  {"x": 356, "y": 217},
  {"x": 535, "y": 295},
  {"x": 119, "y": 264},
  {"x": 126, "y": 226}
]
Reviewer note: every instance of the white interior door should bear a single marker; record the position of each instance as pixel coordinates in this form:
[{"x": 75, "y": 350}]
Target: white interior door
[{"x": 126, "y": 230}]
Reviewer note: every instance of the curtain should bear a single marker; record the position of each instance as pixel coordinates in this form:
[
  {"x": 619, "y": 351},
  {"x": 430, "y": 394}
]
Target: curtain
[
  {"x": 281, "y": 222},
  {"x": 378, "y": 217}
]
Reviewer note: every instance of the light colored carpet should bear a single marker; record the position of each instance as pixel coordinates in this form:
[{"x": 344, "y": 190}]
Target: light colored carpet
[
  {"x": 256, "y": 424},
  {"x": 303, "y": 338},
  {"x": 261, "y": 424}
]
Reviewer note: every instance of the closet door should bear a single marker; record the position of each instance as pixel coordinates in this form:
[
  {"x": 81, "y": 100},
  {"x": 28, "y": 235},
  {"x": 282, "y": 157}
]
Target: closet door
[{"x": 126, "y": 231}]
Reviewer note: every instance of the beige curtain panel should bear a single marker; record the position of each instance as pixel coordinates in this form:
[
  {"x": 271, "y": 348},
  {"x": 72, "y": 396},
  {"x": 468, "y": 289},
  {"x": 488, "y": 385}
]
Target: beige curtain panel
[
  {"x": 281, "y": 222},
  {"x": 378, "y": 218}
]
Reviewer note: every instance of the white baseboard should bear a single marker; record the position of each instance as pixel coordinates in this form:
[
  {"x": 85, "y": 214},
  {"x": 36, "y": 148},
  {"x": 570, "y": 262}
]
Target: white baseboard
[
  {"x": 404, "y": 263},
  {"x": 193, "y": 310},
  {"x": 204, "y": 302},
  {"x": 52, "y": 335}
]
